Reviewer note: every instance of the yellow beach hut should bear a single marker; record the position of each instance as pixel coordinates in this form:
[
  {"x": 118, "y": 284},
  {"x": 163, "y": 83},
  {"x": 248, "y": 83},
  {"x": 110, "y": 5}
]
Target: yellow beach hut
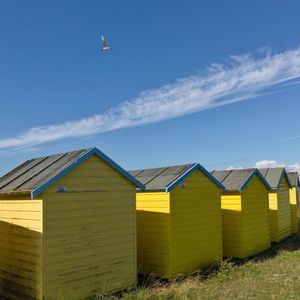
[
  {"x": 279, "y": 203},
  {"x": 294, "y": 199},
  {"x": 178, "y": 220},
  {"x": 67, "y": 227},
  {"x": 245, "y": 212}
]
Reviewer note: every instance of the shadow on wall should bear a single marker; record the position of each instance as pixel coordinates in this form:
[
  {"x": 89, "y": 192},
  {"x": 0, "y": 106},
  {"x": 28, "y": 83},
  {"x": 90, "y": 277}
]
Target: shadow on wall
[
  {"x": 20, "y": 262},
  {"x": 153, "y": 242}
]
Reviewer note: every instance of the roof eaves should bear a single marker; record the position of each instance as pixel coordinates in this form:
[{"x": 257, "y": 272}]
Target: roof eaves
[
  {"x": 89, "y": 152},
  {"x": 163, "y": 189},
  {"x": 255, "y": 172},
  {"x": 191, "y": 170},
  {"x": 284, "y": 173}
]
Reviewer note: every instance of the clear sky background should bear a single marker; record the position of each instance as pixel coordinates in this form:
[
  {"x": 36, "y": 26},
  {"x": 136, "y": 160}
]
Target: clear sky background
[{"x": 52, "y": 71}]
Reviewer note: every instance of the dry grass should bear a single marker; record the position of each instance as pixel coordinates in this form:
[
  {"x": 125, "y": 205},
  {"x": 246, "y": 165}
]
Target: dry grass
[{"x": 274, "y": 274}]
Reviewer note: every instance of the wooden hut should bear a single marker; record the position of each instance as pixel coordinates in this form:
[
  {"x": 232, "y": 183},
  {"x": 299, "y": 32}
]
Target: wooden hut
[
  {"x": 67, "y": 227},
  {"x": 294, "y": 199},
  {"x": 178, "y": 220},
  {"x": 245, "y": 212},
  {"x": 279, "y": 203}
]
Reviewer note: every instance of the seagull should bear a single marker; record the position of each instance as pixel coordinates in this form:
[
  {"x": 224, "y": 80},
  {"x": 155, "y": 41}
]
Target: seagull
[{"x": 105, "y": 46}]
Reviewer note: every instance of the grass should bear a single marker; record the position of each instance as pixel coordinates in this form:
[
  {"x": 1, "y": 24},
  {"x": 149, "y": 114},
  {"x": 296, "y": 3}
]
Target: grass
[{"x": 274, "y": 274}]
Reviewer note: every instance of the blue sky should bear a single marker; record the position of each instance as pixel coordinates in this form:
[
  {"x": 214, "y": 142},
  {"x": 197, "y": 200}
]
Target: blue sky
[{"x": 59, "y": 92}]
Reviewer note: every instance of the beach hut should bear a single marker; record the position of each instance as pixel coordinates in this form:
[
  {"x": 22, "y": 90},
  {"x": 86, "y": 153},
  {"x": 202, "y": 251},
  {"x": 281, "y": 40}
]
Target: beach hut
[
  {"x": 279, "y": 203},
  {"x": 245, "y": 212},
  {"x": 294, "y": 199},
  {"x": 67, "y": 227},
  {"x": 178, "y": 220}
]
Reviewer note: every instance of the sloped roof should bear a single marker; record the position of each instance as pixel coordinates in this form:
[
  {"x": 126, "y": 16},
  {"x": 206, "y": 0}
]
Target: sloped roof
[
  {"x": 35, "y": 175},
  {"x": 273, "y": 176},
  {"x": 166, "y": 178},
  {"x": 294, "y": 179},
  {"x": 237, "y": 179}
]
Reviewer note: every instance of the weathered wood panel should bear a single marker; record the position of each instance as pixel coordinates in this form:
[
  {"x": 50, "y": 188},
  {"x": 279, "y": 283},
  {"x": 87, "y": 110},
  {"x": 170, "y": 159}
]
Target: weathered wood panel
[
  {"x": 90, "y": 233},
  {"x": 21, "y": 249}
]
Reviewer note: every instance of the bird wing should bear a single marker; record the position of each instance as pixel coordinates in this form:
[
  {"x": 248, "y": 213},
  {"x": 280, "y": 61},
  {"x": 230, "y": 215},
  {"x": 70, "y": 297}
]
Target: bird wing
[{"x": 103, "y": 40}]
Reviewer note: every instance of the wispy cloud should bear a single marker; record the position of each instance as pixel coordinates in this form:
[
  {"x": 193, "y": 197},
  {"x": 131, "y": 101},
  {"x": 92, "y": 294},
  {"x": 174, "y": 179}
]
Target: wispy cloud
[
  {"x": 239, "y": 78},
  {"x": 275, "y": 164},
  {"x": 269, "y": 164},
  {"x": 289, "y": 138}
]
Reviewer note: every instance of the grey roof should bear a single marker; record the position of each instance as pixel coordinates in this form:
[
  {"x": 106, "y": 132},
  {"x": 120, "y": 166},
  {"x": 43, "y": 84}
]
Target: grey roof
[
  {"x": 233, "y": 180},
  {"x": 273, "y": 176},
  {"x": 32, "y": 173},
  {"x": 160, "y": 178},
  {"x": 294, "y": 179}
]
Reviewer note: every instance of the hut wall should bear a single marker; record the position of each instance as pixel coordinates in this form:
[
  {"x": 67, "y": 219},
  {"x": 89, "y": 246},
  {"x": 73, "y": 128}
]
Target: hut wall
[
  {"x": 21, "y": 229},
  {"x": 255, "y": 218},
  {"x": 90, "y": 233},
  {"x": 153, "y": 233},
  {"x": 231, "y": 224},
  {"x": 196, "y": 224},
  {"x": 283, "y": 213},
  {"x": 294, "y": 209}
]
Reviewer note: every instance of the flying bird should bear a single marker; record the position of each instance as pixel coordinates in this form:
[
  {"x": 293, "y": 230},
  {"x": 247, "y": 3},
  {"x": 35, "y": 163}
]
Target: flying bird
[{"x": 105, "y": 46}]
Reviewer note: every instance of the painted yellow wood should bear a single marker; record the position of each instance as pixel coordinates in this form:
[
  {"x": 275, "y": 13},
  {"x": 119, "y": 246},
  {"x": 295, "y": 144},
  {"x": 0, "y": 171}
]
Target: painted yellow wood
[
  {"x": 231, "y": 204},
  {"x": 70, "y": 245},
  {"x": 196, "y": 224},
  {"x": 179, "y": 232},
  {"x": 294, "y": 209},
  {"x": 153, "y": 228},
  {"x": 20, "y": 248},
  {"x": 280, "y": 213},
  {"x": 255, "y": 218},
  {"x": 245, "y": 220},
  {"x": 89, "y": 233}
]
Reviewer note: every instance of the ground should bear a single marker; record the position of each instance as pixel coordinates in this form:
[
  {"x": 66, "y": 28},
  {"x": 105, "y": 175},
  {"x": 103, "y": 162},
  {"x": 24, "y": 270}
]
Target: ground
[{"x": 274, "y": 274}]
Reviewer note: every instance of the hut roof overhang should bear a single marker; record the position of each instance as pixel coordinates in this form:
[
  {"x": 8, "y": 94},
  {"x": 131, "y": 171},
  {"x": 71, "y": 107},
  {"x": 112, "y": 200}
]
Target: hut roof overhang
[
  {"x": 274, "y": 176},
  {"x": 36, "y": 175},
  {"x": 236, "y": 180},
  {"x": 167, "y": 178},
  {"x": 293, "y": 178}
]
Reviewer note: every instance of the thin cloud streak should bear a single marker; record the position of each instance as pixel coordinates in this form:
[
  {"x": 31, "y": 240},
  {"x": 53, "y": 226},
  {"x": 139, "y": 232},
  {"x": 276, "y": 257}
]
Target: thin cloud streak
[
  {"x": 290, "y": 138},
  {"x": 240, "y": 78}
]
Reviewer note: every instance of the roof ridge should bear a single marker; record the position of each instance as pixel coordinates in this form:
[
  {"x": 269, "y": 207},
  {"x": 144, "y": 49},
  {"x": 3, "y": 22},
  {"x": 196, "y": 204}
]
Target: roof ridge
[{"x": 163, "y": 167}]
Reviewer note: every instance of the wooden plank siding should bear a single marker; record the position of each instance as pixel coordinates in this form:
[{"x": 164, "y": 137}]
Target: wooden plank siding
[
  {"x": 153, "y": 229},
  {"x": 231, "y": 223},
  {"x": 280, "y": 214},
  {"x": 90, "y": 233},
  {"x": 21, "y": 228},
  {"x": 255, "y": 218},
  {"x": 179, "y": 232},
  {"x": 245, "y": 220},
  {"x": 294, "y": 209},
  {"x": 196, "y": 224}
]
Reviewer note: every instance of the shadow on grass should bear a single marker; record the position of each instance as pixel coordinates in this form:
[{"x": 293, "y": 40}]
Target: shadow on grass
[{"x": 292, "y": 243}]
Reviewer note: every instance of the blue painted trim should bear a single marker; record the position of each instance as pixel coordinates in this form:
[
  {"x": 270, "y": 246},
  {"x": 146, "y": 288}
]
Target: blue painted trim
[
  {"x": 162, "y": 189},
  {"x": 191, "y": 170},
  {"x": 83, "y": 157},
  {"x": 256, "y": 172},
  {"x": 284, "y": 173}
]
